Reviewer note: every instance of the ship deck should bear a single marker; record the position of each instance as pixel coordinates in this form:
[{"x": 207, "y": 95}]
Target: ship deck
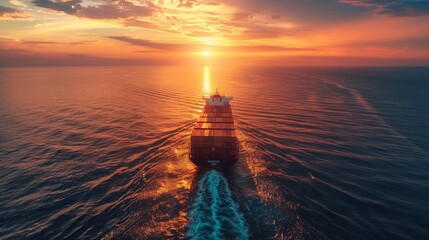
[
  {"x": 215, "y": 121},
  {"x": 214, "y": 140}
]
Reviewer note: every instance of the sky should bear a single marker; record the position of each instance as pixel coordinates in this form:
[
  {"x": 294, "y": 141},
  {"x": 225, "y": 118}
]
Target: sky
[{"x": 289, "y": 32}]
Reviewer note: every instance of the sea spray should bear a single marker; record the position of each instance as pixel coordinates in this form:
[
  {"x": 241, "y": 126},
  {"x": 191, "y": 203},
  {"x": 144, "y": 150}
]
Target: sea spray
[{"x": 213, "y": 213}]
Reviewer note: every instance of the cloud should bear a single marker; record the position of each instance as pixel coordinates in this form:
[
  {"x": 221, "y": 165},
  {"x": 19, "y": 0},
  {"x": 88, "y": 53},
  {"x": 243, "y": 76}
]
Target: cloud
[
  {"x": 11, "y": 13},
  {"x": 401, "y": 8},
  {"x": 39, "y": 42},
  {"x": 199, "y": 19},
  {"x": 18, "y": 3},
  {"x": 138, "y": 23},
  {"x": 191, "y": 3},
  {"x": 8, "y": 41},
  {"x": 106, "y": 9},
  {"x": 154, "y": 45},
  {"x": 260, "y": 34},
  {"x": 199, "y": 47},
  {"x": 303, "y": 12},
  {"x": 110, "y": 11},
  {"x": 416, "y": 43},
  {"x": 4, "y": 9},
  {"x": 257, "y": 26},
  {"x": 83, "y": 42},
  {"x": 69, "y": 7}
]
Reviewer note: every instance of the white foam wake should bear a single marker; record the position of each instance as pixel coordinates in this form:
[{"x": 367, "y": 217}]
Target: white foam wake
[{"x": 214, "y": 214}]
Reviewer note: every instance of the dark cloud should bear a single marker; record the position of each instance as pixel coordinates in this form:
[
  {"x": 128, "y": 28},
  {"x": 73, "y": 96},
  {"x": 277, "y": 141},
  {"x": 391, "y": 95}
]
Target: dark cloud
[
  {"x": 306, "y": 12},
  {"x": 400, "y": 8},
  {"x": 9, "y": 12},
  {"x": 154, "y": 45},
  {"x": 39, "y": 42},
  {"x": 111, "y": 11},
  {"x": 4, "y": 9},
  {"x": 417, "y": 43},
  {"x": 52, "y": 42},
  {"x": 199, "y": 47},
  {"x": 69, "y": 7},
  {"x": 83, "y": 42},
  {"x": 108, "y": 9},
  {"x": 411, "y": 9}
]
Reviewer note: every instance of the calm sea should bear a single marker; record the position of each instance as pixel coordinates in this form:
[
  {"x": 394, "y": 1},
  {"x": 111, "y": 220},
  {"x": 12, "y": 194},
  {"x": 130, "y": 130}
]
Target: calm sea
[{"x": 102, "y": 153}]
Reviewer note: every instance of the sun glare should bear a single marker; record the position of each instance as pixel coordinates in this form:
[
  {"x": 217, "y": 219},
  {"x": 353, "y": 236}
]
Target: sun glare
[{"x": 206, "y": 54}]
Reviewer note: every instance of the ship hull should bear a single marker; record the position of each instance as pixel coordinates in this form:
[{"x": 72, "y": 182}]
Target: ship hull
[{"x": 214, "y": 142}]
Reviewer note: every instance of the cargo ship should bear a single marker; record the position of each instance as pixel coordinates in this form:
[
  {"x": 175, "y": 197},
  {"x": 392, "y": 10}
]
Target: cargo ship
[{"x": 214, "y": 142}]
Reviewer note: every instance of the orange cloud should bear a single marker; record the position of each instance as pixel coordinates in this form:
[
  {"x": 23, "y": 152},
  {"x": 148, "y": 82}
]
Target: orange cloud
[{"x": 172, "y": 29}]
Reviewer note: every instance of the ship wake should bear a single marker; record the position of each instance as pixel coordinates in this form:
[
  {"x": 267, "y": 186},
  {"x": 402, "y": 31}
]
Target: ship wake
[{"x": 214, "y": 214}]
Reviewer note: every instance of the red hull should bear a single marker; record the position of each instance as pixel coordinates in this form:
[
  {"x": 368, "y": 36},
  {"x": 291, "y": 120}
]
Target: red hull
[{"x": 214, "y": 142}]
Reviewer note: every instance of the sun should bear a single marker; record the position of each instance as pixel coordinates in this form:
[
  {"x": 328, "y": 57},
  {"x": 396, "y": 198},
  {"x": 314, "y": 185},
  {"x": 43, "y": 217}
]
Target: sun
[{"x": 206, "y": 54}]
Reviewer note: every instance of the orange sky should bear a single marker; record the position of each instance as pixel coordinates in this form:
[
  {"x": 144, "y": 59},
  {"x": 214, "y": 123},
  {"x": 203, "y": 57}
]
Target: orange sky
[{"x": 293, "y": 32}]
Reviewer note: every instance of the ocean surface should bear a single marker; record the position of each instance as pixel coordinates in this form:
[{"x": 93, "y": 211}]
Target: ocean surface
[{"x": 325, "y": 153}]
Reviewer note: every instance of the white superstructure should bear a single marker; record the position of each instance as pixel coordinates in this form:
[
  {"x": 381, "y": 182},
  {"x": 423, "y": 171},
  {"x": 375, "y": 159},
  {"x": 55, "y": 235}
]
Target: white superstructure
[{"x": 217, "y": 100}]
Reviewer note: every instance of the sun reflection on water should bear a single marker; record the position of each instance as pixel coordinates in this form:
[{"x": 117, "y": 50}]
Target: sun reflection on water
[{"x": 207, "y": 88}]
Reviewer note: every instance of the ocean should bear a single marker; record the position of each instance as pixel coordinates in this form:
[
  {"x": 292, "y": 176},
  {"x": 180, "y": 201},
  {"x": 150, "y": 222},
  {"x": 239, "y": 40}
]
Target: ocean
[{"x": 325, "y": 153}]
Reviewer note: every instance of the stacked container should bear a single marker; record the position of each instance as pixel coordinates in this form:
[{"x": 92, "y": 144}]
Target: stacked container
[{"x": 214, "y": 142}]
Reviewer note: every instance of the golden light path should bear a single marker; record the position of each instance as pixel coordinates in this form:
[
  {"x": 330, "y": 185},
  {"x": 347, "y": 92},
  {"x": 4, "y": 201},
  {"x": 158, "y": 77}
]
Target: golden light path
[{"x": 207, "y": 89}]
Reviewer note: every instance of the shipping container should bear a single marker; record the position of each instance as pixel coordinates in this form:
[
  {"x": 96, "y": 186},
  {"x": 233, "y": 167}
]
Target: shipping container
[{"x": 214, "y": 142}]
